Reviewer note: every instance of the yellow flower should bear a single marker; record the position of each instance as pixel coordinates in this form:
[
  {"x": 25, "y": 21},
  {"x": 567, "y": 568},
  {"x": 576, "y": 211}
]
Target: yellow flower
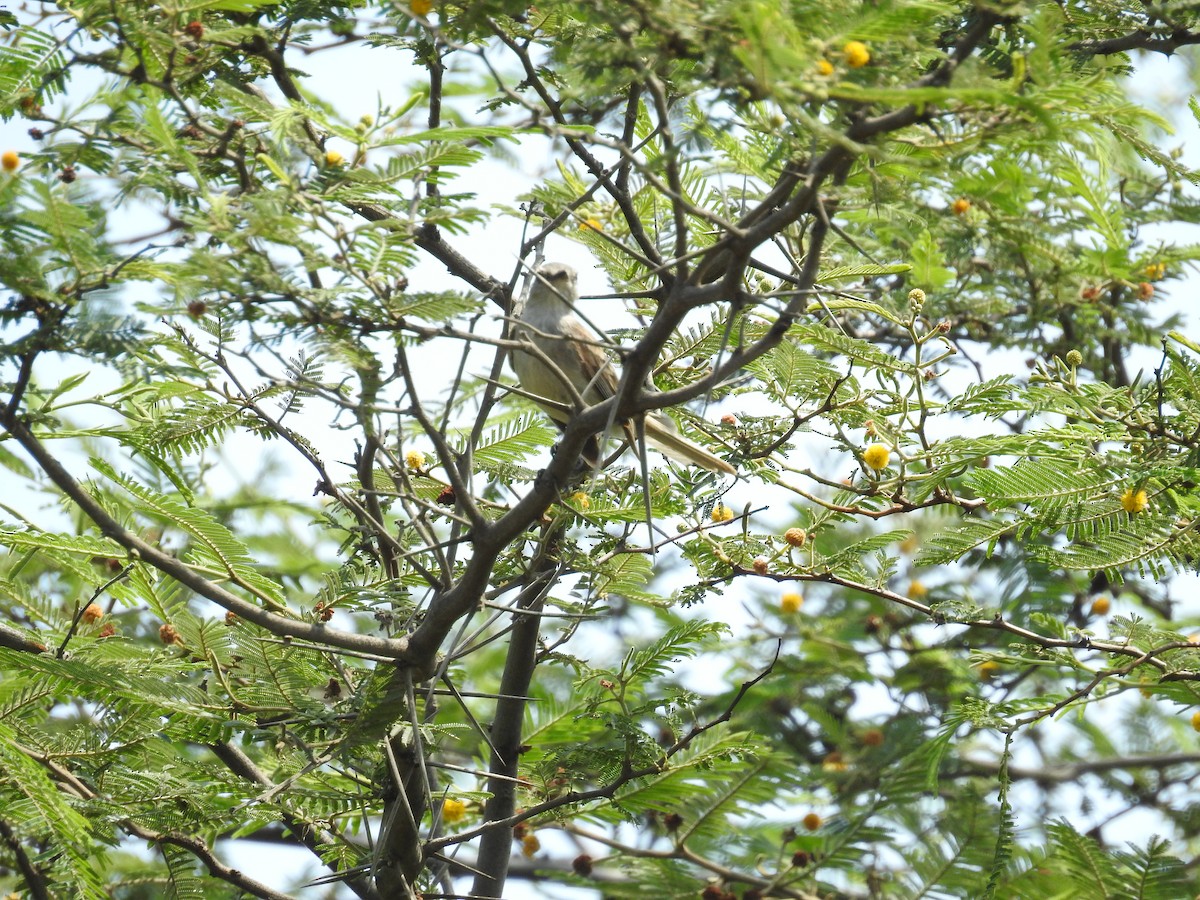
[
  {"x": 1196, "y": 721},
  {"x": 1155, "y": 271},
  {"x": 334, "y": 159},
  {"x": 10, "y": 160},
  {"x": 414, "y": 459},
  {"x": 812, "y": 821},
  {"x": 453, "y": 810},
  {"x": 530, "y": 845},
  {"x": 877, "y": 456},
  {"x": 824, "y": 67},
  {"x": 1134, "y": 501},
  {"x": 791, "y": 602},
  {"x": 960, "y": 206},
  {"x": 833, "y": 762},
  {"x": 795, "y": 537},
  {"x": 1101, "y": 605},
  {"x": 421, "y": 7},
  {"x": 721, "y": 513},
  {"x": 581, "y": 501},
  {"x": 856, "y": 53},
  {"x": 591, "y": 225},
  {"x": 916, "y": 590}
]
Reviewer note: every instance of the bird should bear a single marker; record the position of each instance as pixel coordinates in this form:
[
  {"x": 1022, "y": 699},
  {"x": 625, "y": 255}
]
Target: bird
[{"x": 548, "y": 322}]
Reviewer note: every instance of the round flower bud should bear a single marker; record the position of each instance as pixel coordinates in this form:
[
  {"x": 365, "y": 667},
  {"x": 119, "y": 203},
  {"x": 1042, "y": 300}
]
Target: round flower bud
[
  {"x": 1074, "y": 359},
  {"x": 582, "y": 865},
  {"x": 812, "y": 821},
  {"x": 795, "y": 537},
  {"x": 872, "y": 737},
  {"x": 761, "y": 566},
  {"x": 10, "y": 160},
  {"x": 93, "y": 613}
]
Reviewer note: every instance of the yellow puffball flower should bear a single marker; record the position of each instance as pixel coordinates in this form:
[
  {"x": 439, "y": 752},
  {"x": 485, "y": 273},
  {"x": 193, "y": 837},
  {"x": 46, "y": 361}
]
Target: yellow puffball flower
[
  {"x": 10, "y": 160},
  {"x": 591, "y": 225},
  {"x": 916, "y": 590},
  {"x": 334, "y": 159},
  {"x": 1196, "y": 721},
  {"x": 421, "y": 7},
  {"x": 453, "y": 810},
  {"x": 824, "y": 68},
  {"x": 961, "y": 206},
  {"x": 833, "y": 762},
  {"x": 721, "y": 513},
  {"x": 877, "y": 456},
  {"x": 795, "y": 537},
  {"x": 414, "y": 459},
  {"x": 1155, "y": 271},
  {"x": 530, "y": 845},
  {"x": 1101, "y": 605},
  {"x": 1134, "y": 501},
  {"x": 812, "y": 821},
  {"x": 791, "y": 602},
  {"x": 856, "y": 53},
  {"x": 581, "y": 501}
]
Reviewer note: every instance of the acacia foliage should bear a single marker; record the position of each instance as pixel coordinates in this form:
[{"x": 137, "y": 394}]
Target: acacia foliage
[{"x": 899, "y": 262}]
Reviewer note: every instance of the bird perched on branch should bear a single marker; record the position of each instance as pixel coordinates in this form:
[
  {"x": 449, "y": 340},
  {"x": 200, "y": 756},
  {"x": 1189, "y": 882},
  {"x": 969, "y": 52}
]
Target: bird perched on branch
[{"x": 568, "y": 367}]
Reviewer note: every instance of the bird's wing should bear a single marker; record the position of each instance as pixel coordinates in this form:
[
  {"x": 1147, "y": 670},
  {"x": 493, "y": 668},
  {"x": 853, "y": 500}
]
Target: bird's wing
[{"x": 599, "y": 377}]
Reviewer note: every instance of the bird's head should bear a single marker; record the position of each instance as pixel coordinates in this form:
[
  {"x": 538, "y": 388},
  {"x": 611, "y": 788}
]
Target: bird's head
[{"x": 559, "y": 278}]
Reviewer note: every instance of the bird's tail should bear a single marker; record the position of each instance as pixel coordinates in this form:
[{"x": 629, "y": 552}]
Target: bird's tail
[{"x": 663, "y": 436}]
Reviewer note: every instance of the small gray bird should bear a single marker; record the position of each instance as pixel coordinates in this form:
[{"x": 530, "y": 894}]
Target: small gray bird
[{"x": 557, "y": 332}]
